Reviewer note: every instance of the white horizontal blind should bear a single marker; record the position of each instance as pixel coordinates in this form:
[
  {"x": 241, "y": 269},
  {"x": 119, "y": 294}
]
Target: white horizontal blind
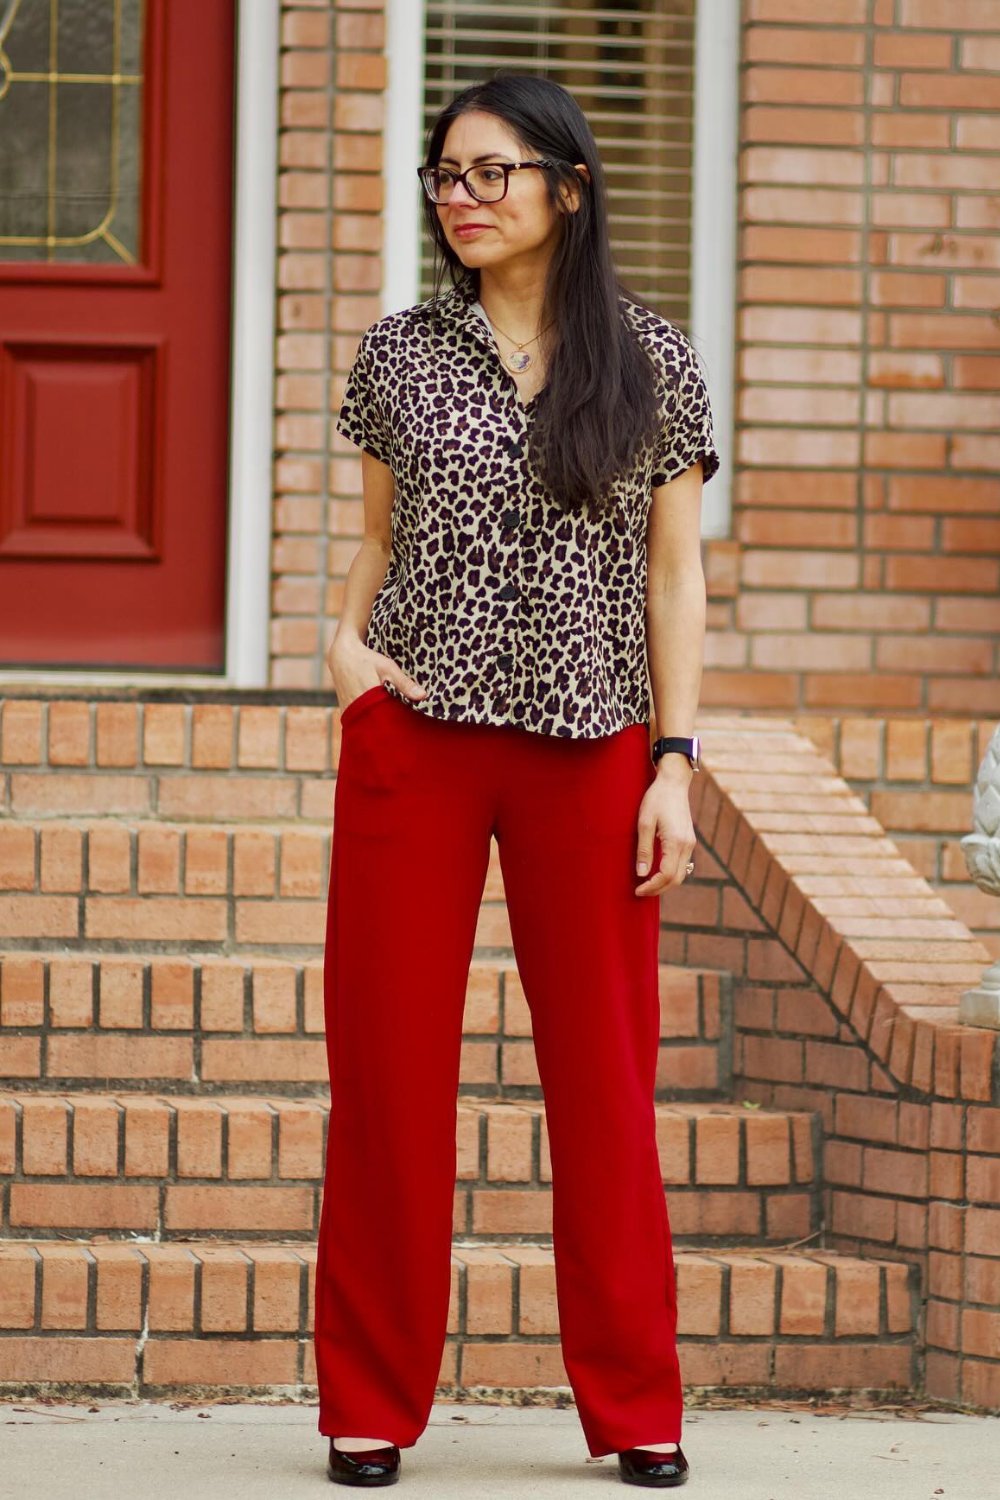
[{"x": 630, "y": 66}]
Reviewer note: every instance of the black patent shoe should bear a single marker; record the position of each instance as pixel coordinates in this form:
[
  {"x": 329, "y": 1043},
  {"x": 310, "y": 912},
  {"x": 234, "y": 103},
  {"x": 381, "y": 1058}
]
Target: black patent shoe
[
  {"x": 647, "y": 1466},
  {"x": 369, "y": 1466}
]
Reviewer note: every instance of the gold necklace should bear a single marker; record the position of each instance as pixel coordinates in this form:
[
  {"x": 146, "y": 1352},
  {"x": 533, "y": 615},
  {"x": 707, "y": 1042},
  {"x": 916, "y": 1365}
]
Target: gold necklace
[{"x": 518, "y": 360}]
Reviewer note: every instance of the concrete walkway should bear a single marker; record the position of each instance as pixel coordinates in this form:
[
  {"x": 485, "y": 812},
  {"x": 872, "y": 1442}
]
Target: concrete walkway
[{"x": 104, "y": 1450}]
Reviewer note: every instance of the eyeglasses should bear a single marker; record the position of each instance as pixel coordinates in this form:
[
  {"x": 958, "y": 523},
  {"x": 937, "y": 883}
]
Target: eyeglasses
[{"x": 487, "y": 184}]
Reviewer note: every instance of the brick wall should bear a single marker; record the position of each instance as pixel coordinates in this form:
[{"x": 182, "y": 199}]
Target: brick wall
[
  {"x": 847, "y": 971},
  {"x": 916, "y": 776},
  {"x": 862, "y": 570},
  {"x": 333, "y": 76}
]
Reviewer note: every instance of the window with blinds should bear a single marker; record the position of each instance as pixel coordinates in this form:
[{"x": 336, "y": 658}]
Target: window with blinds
[{"x": 630, "y": 66}]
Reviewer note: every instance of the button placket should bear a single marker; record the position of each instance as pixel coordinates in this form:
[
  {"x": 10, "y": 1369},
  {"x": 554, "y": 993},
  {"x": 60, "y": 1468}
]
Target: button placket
[
  {"x": 511, "y": 517},
  {"x": 509, "y": 592}
]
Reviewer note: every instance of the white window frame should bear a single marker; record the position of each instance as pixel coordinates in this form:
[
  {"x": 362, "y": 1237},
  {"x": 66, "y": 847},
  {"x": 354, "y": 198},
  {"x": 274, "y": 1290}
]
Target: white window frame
[
  {"x": 713, "y": 220},
  {"x": 403, "y": 153},
  {"x": 713, "y": 235},
  {"x": 252, "y": 365}
]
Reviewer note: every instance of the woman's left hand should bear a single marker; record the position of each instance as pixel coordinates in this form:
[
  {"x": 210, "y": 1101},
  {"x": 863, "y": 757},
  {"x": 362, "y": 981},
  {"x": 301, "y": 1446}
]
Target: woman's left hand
[{"x": 665, "y": 810}]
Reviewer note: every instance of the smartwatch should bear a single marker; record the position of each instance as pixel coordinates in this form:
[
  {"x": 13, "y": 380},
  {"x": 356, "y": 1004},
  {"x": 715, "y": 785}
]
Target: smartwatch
[{"x": 683, "y": 746}]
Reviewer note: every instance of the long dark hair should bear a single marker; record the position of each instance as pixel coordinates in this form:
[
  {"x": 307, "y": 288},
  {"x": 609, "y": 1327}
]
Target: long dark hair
[{"x": 599, "y": 405}]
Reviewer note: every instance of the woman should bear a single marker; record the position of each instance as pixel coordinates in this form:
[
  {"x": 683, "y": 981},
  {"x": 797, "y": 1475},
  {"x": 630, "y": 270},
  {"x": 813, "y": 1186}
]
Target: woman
[{"x": 534, "y": 443}]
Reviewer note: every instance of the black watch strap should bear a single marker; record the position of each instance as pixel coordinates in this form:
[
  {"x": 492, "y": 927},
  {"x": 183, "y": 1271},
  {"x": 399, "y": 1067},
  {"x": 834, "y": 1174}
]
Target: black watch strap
[{"x": 683, "y": 745}]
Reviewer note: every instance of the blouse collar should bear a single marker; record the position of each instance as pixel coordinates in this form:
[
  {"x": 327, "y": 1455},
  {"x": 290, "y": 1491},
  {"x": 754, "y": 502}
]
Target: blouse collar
[{"x": 458, "y": 306}]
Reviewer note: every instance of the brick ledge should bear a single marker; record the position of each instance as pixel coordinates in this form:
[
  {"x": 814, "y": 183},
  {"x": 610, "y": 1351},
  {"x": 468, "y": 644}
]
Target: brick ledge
[{"x": 877, "y": 941}]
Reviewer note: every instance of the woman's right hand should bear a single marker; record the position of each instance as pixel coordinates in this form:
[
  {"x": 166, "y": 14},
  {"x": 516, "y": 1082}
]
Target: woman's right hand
[{"x": 355, "y": 668}]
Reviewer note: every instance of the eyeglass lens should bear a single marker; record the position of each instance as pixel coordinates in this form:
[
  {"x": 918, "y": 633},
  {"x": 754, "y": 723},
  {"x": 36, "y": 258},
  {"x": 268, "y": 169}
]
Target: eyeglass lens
[{"x": 485, "y": 183}]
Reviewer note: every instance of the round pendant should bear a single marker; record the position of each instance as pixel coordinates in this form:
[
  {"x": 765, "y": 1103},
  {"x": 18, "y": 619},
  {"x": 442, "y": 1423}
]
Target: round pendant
[{"x": 519, "y": 360}]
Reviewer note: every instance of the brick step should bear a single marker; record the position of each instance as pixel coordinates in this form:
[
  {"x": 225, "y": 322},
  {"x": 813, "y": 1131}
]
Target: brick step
[
  {"x": 165, "y": 882},
  {"x": 172, "y": 1166},
  {"x": 92, "y": 1317},
  {"x": 255, "y": 1022},
  {"x": 156, "y": 888},
  {"x": 88, "y": 745}
]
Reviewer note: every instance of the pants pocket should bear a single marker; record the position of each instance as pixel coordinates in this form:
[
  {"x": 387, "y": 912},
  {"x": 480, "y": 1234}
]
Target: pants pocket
[{"x": 364, "y": 700}]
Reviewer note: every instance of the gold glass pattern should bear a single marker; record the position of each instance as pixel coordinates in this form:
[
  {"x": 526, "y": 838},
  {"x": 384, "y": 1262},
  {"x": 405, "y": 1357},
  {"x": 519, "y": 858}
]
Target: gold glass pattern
[
  {"x": 71, "y": 130},
  {"x": 630, "y": 66}
]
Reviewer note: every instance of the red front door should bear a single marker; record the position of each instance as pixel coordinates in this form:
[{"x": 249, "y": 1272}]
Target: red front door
[{"x": 116, "y": 162}]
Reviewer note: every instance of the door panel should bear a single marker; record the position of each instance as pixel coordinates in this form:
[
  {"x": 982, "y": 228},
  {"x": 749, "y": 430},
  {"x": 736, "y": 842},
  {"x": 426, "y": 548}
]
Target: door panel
[{"x": 115, "y": 270}]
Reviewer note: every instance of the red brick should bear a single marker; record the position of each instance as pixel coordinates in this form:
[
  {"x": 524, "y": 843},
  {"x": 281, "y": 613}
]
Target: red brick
[
  {"x": 199, "y": 1137},
  {"x": 768, "y": 1150},
  {"x": 752, "y": 1296},
  {"x": 224, "y": 1280},
  {"x": 44, "y": 1135},
  {"x": 64, "y": 1286},
  {"x": 858, "y": 1292},
  {"x": 229, "y": 1061},
  {"x": 224, "y": 1363},
  {"x": 803, "y": 1295},
  {"x": 22, "y": 991},
  {"x": 172, "y": 1270},
  {"x": 249, "y": 1151},
  {"x": 68, "y": 1360},
  {"x": 69, "y": 733},
  {"x": 117, "y": 734},
  {"x": 118, "y": 1302},
  {"x": 96, "y": 1125},
  {"x": 277, "y": 1290},
  {"x": 78, "y": 1206},
  {"x": 163, "y": 734},
  {"x": 699, "y": 1292},
  {"x": 20, "y": 732},
  {"x": 171, "y": 995},
  {"x": 262, "y": 1208},
  {"x": 845, "y": 1366},
  {"x": 19, "y": 1265},
  {"x": 71, "y": 993},
  {"x": 120, "y": 1002},
  {"x": 717, "y": 1149}
]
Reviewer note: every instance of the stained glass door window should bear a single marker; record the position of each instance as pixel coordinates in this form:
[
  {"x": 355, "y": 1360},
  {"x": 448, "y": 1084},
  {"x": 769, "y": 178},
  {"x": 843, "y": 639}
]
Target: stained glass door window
[{"x": 71, "y": 96}]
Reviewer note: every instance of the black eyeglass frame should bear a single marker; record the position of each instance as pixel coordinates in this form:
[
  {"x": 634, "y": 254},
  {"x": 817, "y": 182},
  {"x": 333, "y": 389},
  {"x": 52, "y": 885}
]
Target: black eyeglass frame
[{"x": 506, "y": 166}]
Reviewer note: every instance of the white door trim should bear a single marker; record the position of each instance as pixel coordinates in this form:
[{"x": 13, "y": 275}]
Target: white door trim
[
  {"x": 251, "y": 425},
  {"x": 248, "y": 592}
]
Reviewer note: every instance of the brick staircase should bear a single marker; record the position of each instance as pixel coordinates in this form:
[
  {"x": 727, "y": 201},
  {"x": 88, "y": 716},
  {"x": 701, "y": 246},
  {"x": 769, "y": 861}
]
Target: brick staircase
[{"x": 163, "y": 1104}]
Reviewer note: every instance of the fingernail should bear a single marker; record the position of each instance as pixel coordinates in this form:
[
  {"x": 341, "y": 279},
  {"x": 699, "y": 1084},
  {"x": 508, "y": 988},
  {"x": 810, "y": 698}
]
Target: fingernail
[{"x": 641, "y": 867}]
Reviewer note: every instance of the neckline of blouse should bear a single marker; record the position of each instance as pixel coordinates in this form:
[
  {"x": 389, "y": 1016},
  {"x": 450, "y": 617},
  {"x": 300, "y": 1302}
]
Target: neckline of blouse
[{"x": 463, "y": 300}]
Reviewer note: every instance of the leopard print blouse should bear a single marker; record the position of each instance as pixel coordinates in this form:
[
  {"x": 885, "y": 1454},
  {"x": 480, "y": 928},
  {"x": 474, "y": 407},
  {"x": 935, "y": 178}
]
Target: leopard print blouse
[{"x": 504, "y": 607}]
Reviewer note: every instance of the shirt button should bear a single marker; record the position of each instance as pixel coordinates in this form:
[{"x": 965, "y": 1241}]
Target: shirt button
[
  {"x": 509, "y": 591},
  {"x": 511, "y": 518}
]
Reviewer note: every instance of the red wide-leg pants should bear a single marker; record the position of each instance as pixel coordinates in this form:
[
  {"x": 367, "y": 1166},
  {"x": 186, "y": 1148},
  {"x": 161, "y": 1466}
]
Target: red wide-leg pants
[{"x": 416, "y": 803}]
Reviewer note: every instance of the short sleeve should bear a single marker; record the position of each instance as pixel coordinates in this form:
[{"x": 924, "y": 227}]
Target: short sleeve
[
  {"x": 362, "y": 417},
  {"x": 687, "y": 434}
]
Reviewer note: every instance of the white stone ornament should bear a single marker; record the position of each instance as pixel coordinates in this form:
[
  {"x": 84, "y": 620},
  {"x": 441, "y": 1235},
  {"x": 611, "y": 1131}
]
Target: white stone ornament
[
  {"x": 981, "y": 1006},
  {"x": 982, "y": 847},
  {"x": 519, "y": 360}
]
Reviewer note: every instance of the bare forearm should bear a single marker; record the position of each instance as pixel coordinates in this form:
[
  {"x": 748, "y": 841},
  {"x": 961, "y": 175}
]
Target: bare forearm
[
  {"x": 675, "y": 645},
  {"x": 365, "y": 577}
]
